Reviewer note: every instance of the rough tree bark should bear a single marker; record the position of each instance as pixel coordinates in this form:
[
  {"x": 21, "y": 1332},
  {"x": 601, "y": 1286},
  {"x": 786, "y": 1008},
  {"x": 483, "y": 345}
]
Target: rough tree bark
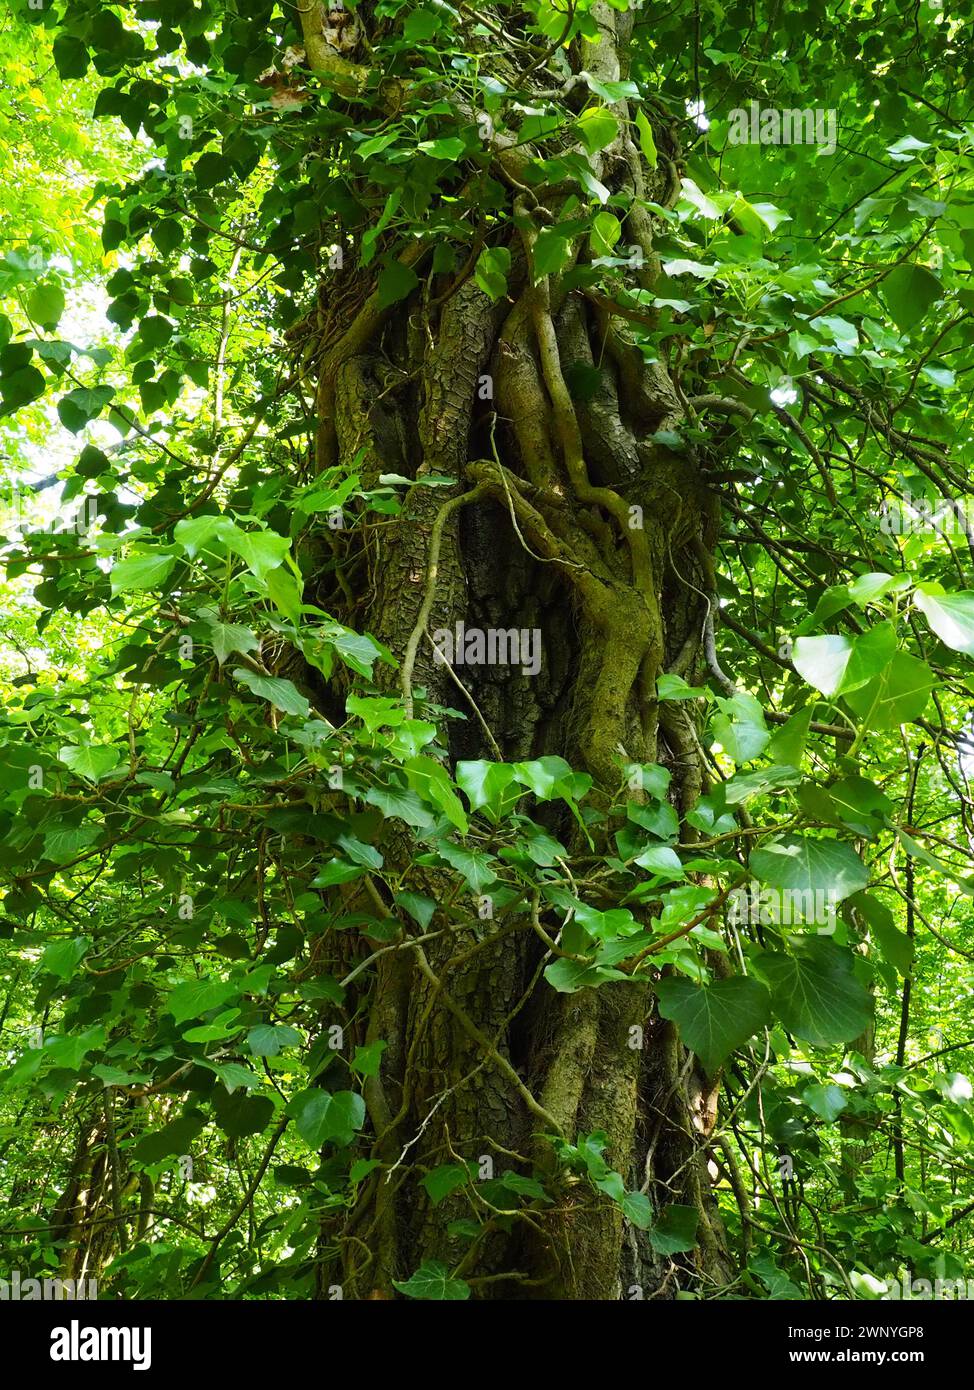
[{"x": 568, "y": 516}]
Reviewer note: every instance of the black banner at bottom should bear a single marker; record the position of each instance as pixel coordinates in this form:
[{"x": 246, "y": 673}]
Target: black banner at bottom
[{"x": 78, "y": 1339}]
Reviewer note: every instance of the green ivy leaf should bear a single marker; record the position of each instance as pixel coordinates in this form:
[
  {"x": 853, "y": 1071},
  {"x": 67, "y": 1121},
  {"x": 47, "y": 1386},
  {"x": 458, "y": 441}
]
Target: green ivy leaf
[
  {"x": 433, "y": 1281},
  {"x": 174, "y": 1138},
  {"x": 62, "y": 958},
  {"x": 676, "y": 1230},
  {"x": 804, "y": 865},
  {"x": 827, "y": 1102},
  {"x": 282, "y": 694},
  {"x": 646, "y": 141},
  {"x": 897, "y": 695},
  {"x": 322, "y": 1118},
  {"x": 484, "y": 784},
  {"x": 45, "y": 304},
  {"x": 714, "y": 1020},
  {"x": 89, "y": 760},
  {"x": 637, "y": 1209},
  {"x": 442, "y": 1181},
  {"x": 910, "y": 291},
  {"x": 225, "y": 638},
  {"x": 138, "y": 572},
  {"x": 368, "y": 1057},
  {"x": 838, "y": 665},
  {"x": 396, "y": 282},
  {"x": 598, "y": 128},
  {"x": 951, "y": 616},
  {"x": 270, "y": 1039},
  {"x": 70, "y": 56},
  {"x": 491, "y": 271},
  {"x": 449, "y": 147},
  {"x": 194, "y": 998},
  {"x": 815, "y": 993},
  {"x": 740, "y": 728},
  {"x": 79, "y": 407}
]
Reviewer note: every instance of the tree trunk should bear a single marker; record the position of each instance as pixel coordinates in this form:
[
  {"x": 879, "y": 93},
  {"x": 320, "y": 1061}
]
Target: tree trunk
[{"x": 563, "y": 514}]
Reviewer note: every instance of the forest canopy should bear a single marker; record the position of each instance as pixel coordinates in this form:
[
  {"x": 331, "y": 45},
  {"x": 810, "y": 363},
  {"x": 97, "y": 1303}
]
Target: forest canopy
[{"x": 486, "y": 638}]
